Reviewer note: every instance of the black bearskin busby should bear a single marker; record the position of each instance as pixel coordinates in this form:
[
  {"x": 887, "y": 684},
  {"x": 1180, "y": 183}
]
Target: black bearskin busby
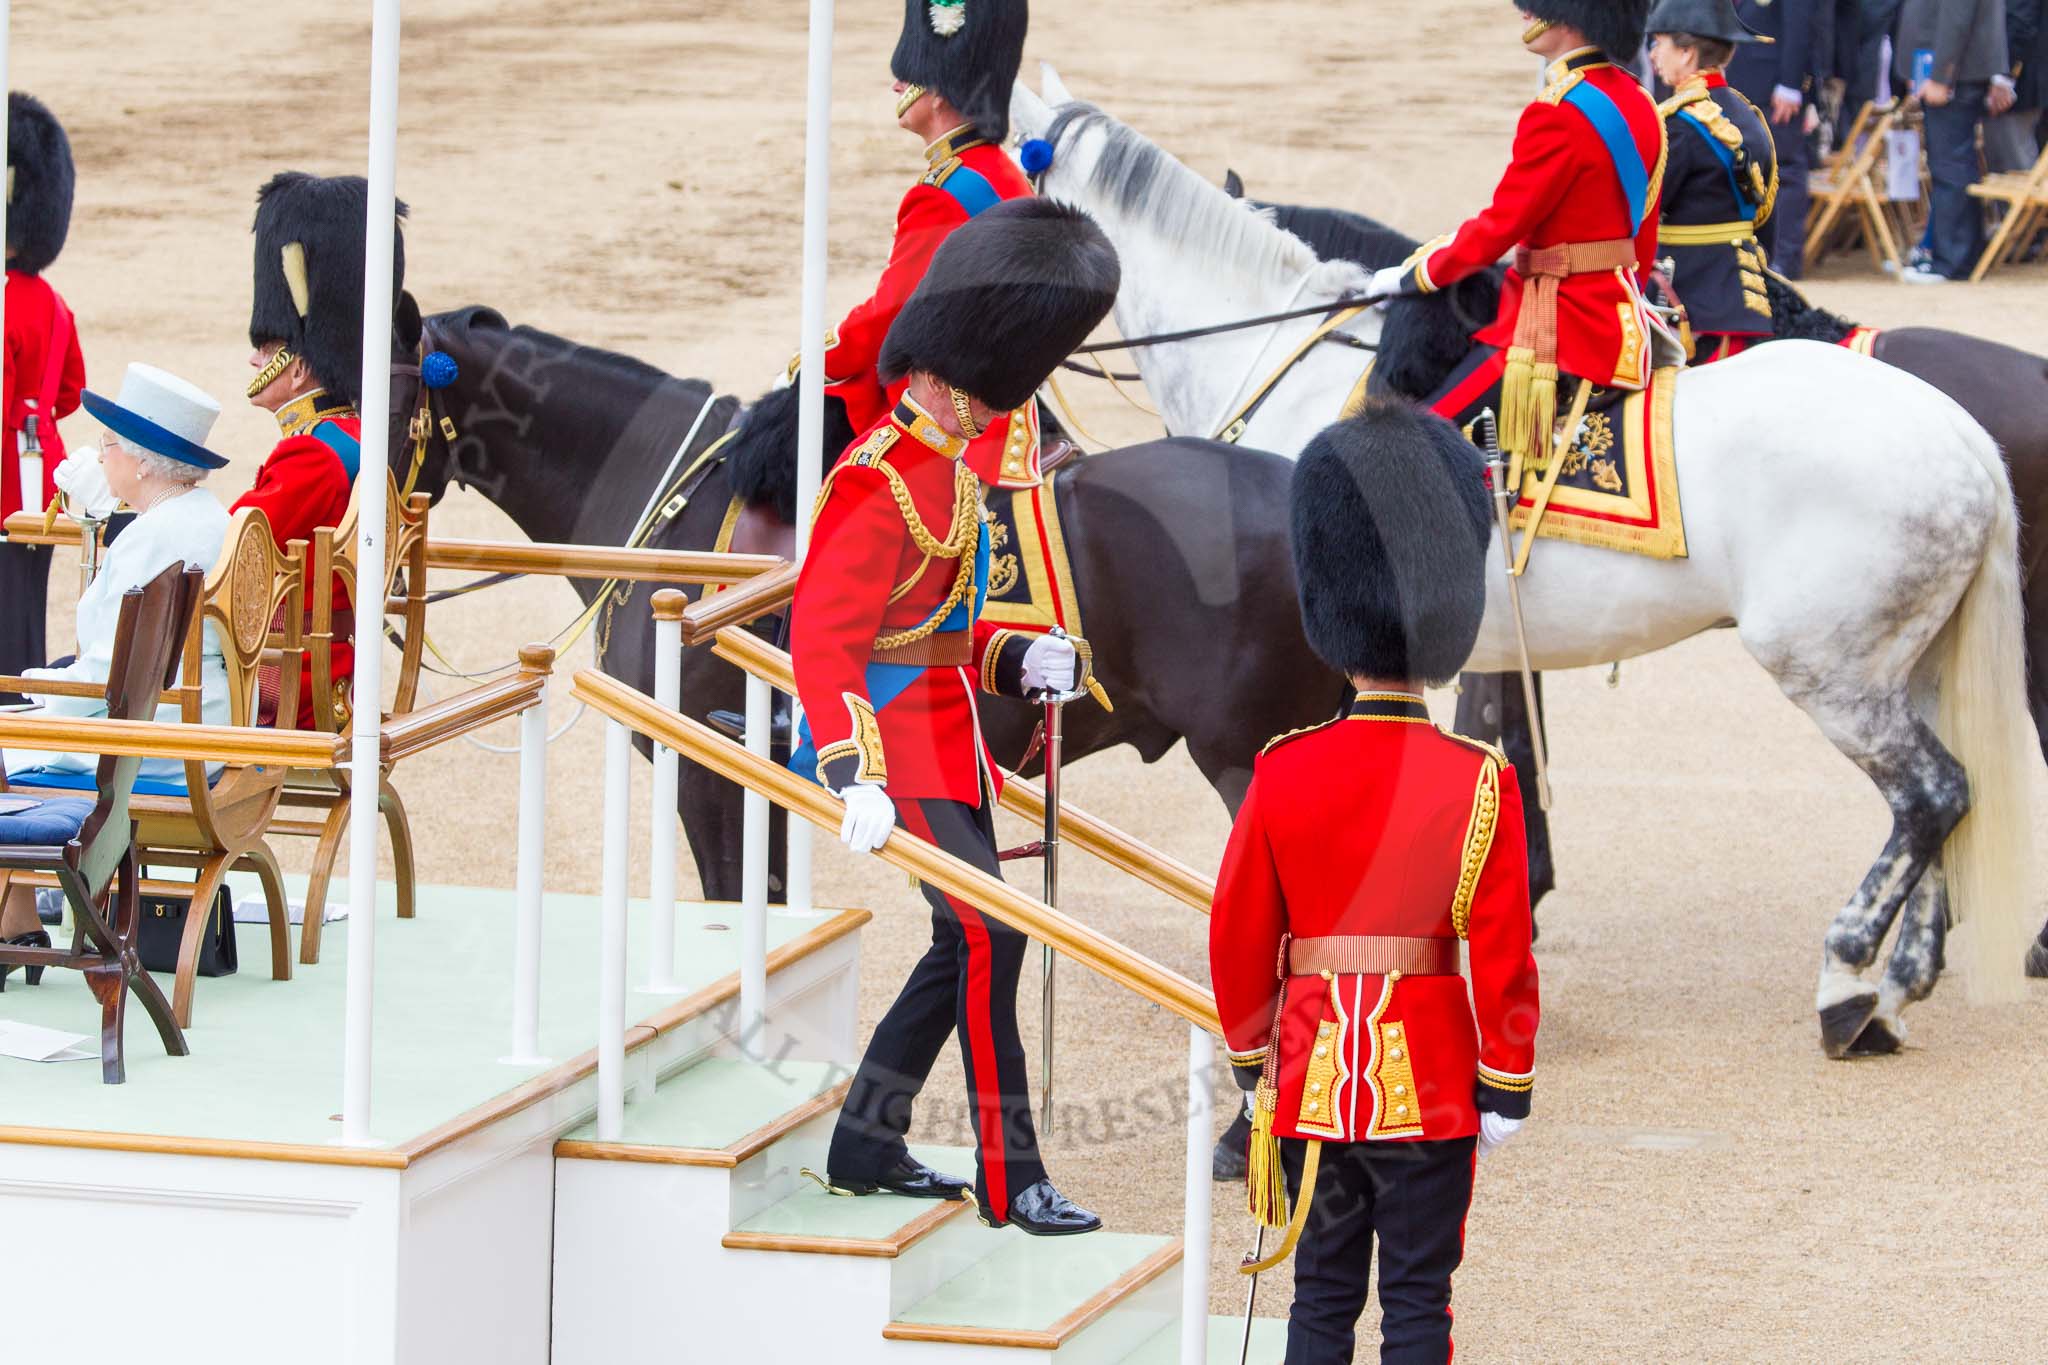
[
  {"x": 1616, "y": 27},
  {"x": 967, "y": 51},
  {"x": 1390, "y": 522},
  {"x": 40, "y": 181},
  {"x": 1007, "y": 297},
  {"x": 309, "y": 273}
]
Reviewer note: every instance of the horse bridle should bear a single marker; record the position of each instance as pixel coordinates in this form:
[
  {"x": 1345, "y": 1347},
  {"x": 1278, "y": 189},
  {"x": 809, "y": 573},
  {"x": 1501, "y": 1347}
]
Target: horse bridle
[{"x": 420, "y": 428}]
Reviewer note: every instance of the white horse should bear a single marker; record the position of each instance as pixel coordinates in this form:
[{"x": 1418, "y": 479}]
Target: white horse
[{"x": 1853, "y": 524}]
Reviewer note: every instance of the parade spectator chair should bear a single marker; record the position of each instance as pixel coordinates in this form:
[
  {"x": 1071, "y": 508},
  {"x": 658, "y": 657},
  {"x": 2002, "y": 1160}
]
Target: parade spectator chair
[
  {"x": 88, "y": 846},
  {"x": 2024, "y": 195},
  {"x": 1848, "y": 181},
  {"x": 255, "y": 603},
  {"x": 324, "y": 794}
]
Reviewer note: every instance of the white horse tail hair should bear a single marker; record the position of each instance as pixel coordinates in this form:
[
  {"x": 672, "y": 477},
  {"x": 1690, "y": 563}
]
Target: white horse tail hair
[{"x": 1984, "y": 722}]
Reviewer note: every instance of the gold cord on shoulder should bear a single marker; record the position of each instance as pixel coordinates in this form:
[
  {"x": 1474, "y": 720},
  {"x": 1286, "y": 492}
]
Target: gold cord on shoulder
[{"x": 1478, "y": 843}]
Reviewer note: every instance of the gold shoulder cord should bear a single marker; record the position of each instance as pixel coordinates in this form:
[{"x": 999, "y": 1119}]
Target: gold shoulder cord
[
  {"x": 1478, "y": 843},
  {"x": 958, "y": 545}
]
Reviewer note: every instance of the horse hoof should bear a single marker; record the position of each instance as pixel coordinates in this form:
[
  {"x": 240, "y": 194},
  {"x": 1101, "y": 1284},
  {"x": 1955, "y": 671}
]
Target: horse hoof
[
  {"x": 1880, "y": 1037},
  {"x": 1842, "y": 1023},
  {"x": 2037, "y": 961}
]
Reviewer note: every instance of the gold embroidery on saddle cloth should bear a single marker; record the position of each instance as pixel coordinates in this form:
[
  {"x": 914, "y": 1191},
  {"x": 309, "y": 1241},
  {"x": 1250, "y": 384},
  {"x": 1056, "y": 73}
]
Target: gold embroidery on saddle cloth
[
  {"x": 1325, "y": 1073},
  {"x": 1040, "y": 564},
  {"x": 1396, "y": 1109},
  {"x": 1632, "y": 503},
  {"x": 1478, "y": 843}
]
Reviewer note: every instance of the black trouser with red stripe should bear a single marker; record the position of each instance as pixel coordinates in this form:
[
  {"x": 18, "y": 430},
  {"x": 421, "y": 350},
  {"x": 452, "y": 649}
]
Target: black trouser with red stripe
[
  {"x": 1414, "y": 1196},
  {"x": 966, "y": 983}
]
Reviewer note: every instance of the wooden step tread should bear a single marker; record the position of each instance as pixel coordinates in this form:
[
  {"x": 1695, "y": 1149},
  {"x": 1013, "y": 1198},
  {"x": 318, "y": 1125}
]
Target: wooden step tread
[
  {"x": 718, "y": 1113},
  {"x": 880, "y": 1225},
  {"x": 1037, "y": 1292}
]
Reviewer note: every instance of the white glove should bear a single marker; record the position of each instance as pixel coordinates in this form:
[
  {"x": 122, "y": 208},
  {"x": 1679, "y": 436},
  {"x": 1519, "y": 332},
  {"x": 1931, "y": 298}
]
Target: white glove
[
  {"x": 1494, "y": 1130},
  {"x": 870, "y": 815},
  {"x": 1387, "y": 282},
  {"x": 1049, "y": 665},
  {"x": 83, "y": 481}
]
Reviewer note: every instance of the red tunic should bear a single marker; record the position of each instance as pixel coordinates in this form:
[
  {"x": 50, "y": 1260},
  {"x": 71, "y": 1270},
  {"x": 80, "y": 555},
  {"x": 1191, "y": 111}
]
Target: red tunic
[
  {"x": 867, "y": 577},
  {"x": 1380, "y": 824},
  {"x": 1562, "y": 187},
  {"x": 967, "y": 175},
  {"x": 35, "y": 314},
  {"x": 305, "y": 484}
]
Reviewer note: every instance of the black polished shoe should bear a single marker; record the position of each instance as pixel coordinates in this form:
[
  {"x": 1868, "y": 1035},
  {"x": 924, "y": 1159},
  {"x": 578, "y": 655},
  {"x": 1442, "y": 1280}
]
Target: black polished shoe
[
  {"x": 910, "y": 1178},
  {"x": 1229, "y": 1160},
  {"x": 35, "y": 938},
  {"x": 1043, "y": 1211}
]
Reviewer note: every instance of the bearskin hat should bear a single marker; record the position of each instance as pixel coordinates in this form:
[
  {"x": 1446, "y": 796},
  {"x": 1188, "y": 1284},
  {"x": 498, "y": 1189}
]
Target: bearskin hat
[
  {"x": 1007, "y": 297},
  {"x": 40, "y": 181},
  {"x": 1616, "y": 27},
  {"x": 1389, "y": 518},
  {"x": 309, "y": 273},
  {"x": 967, "y": 51}
]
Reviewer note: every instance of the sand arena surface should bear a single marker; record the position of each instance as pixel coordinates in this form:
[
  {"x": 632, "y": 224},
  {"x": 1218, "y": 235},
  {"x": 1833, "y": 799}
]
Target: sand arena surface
[{"x": 1697, "y": 1183}]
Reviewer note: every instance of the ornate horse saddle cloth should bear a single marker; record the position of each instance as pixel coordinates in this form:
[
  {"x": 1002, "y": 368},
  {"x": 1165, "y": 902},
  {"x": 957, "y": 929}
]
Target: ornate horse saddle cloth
[{"x": 1030, "y": 582}]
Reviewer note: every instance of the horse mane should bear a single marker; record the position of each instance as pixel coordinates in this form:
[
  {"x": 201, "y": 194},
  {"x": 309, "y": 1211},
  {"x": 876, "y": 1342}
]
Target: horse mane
[
  {"x": 1144, "y": 187},
  {"x": 1424, "y": 336},
  {"x": 761, "y": 457},
  {"x": 1795, "y": 319}
]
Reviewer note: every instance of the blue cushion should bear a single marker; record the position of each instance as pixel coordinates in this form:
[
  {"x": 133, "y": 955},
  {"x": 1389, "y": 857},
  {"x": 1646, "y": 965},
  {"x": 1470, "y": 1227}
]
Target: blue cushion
[
  {"x": 53, "y": 822},
  {"x": 88, "y": 782}
]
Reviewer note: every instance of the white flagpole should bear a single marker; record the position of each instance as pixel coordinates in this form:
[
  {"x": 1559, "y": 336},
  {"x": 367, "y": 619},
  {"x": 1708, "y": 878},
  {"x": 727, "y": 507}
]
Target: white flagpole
[{"x": 370, "y": 478}]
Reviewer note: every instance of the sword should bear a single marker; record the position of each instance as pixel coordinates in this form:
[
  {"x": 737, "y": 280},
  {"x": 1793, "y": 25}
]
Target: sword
[
  {"x": 1055, "y": 705},
  {"x": 1497, "y": 471},
  {"x": 1251, "y": 1296}
]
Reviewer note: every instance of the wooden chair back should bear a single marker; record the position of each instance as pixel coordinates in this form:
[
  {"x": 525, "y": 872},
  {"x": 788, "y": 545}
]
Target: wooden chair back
[
  {"x": 150, "y": 634},
  {"x": 332, "y": 574}
]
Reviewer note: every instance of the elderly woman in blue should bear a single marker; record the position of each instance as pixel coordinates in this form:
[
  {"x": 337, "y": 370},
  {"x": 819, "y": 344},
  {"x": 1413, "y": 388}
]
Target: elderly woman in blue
[{"x": 153, "y": 459}]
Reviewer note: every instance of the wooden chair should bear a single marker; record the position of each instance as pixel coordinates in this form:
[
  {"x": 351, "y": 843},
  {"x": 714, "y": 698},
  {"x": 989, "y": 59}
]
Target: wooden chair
[
  {"x": 96, "y": 868},
  {"x": 1848, "y": 181},
  {"x": 2024, "y": 195},
  {"x": 331, "y": 561}
]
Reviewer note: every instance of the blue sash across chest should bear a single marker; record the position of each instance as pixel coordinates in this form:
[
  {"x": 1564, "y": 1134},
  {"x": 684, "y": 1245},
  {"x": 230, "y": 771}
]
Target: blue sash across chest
[
  {"x": 1726, "y": 156},
  {"x": 346, "y": 448},
  {"x": 1605, "y": 115}
]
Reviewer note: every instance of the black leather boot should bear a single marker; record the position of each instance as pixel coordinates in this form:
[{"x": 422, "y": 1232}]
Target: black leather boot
[
  {"x": 1043, "y": 1211},
  {"x": 910, "y": 1178}
]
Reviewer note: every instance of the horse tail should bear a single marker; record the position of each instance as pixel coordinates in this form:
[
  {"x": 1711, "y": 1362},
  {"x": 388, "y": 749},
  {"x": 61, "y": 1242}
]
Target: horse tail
[{"x": 1984, "y": 722}]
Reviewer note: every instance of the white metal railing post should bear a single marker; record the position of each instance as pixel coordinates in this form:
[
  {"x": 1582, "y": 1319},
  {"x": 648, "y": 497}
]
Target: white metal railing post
[
  {"x": 797, "y": 891},
  {"x": 533, "y": 834},
  {"x": 1195, "y": 1232},
  {"x": 661, "y": 880},
  {"x": 611, "y": 970},
  {"x": 365, "y": 760},
  {"x": 754, "y": 880}
]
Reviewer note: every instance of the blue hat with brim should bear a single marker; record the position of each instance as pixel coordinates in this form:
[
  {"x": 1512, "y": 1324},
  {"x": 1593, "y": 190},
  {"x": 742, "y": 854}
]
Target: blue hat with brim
[{"x": 161, "y": 413}]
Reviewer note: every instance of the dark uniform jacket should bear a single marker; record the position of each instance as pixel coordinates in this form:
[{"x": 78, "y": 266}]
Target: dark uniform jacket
[
  {"x": 1787, "y": 60},
  {"x": 1381, "y": 829},
  {"x": 1720, "y": 177}
]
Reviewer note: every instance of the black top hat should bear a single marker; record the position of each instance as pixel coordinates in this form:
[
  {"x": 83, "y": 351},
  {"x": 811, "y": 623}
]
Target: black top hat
[
  {"x": 1390, "y": 523},
  {"x": 1703, "y": 19},
  {"x": 1616, "y": 27},
  {"x": 1007, "y": 297},
  {"x": 309, "y": 273},
  {"x": 967, "y": 51},
  {"x": 40, "y": 181}
]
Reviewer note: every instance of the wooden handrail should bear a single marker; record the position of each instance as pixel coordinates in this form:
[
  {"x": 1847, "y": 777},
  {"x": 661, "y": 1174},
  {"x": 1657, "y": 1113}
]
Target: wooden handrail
[
  {"x": 58, "y": 687},
  {"x": 239, "y": 744},
  {"x": 1120, "y": 850},
  {"x": 762, "y": 596},
  {"x": 26, "y": 528},
  {"x": 706, "y": 747},
  {"x": 597, "y": 561},
  {"x": 453, "y": 717}
]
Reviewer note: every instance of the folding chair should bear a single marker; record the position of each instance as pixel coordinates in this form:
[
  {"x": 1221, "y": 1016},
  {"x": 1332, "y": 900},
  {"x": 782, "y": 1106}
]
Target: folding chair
[
  {"x": 2025, "y": 197},
  {"x": 89, "y": 846}
]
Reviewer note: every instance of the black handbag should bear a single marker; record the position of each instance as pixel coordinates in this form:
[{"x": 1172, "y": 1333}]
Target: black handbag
[{"x": 161, "y": 929}]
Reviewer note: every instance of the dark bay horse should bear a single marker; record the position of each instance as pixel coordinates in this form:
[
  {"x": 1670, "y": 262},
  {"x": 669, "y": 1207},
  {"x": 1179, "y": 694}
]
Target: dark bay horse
[
  {"x": 2005, "y": 389},
  {"x": 1179, "y": 551}
]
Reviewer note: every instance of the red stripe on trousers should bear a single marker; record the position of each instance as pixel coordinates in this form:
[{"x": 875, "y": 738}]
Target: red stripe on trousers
[{"x": 988, "y": 1087}]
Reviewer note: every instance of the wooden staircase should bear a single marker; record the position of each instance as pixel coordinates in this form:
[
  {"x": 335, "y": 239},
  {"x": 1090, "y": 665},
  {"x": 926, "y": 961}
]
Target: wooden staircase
[{"x": 696, "y": 1238}]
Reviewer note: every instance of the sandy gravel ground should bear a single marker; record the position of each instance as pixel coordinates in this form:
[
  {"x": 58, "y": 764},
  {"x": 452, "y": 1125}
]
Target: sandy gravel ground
[{"x": 1698, "y": 1183}]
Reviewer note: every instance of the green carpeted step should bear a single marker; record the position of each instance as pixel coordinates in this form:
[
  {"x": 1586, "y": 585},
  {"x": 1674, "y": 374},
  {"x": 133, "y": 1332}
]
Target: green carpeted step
[
  {"x": 1226, "y": 1336},
  {"x": 1036, "y": 1291},
  {"x": 885, "y": 1225},
  {"x": 717, "y": 1113}
]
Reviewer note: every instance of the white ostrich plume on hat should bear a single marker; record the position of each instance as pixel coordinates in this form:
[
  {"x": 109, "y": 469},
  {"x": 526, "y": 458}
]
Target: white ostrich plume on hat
[{"x": 948, "y": 17}]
